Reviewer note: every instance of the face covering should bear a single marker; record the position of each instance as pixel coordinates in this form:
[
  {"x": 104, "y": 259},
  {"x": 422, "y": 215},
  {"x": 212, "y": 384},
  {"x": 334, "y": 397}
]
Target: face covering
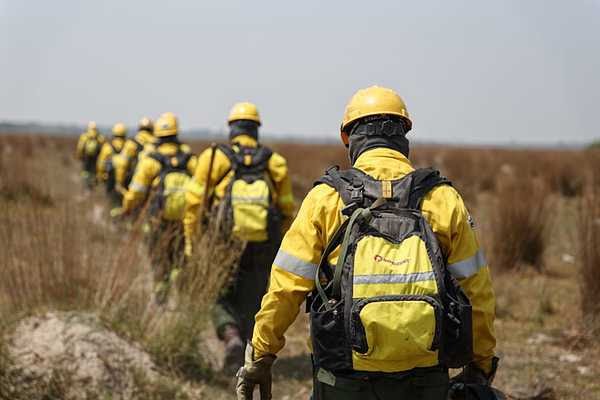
[
  {"x": 377, "y": 131},
  {"x": 243, "y": 127},
  {"x": 167, "y": 139}
]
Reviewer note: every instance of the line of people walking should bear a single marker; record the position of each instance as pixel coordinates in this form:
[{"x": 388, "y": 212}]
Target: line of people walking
[{"x": 384, "y": 256}]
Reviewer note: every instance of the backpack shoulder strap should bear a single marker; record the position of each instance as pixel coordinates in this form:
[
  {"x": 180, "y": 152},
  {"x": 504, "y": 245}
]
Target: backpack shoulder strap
[
  {"x": 158, "y": 157},
  {"x": 138, "y": 146},
  {"x": 229, "y": 153},
  {"x": 261, "y": 157},
  {"x": 112, "y": 146},
  {"x": 356, "y": 188},
  {"x": 424, "y": 180},
  {"x": 183, "y": 158}
]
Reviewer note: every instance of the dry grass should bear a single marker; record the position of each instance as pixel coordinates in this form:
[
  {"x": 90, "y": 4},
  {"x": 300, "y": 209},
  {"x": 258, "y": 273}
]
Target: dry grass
[
  {"x": 519, "y": 223},
  {"x": 59, "y": 253},
  {"x": 589, "y": 222}
]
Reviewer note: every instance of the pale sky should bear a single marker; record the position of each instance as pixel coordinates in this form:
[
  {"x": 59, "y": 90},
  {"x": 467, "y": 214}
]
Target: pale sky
[{"x": 470, "y": 71}]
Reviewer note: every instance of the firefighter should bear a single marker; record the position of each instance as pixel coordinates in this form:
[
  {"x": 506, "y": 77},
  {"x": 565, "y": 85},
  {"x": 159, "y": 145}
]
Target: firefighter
[
  {"x": 166, "y": 172},
  {"x": 88, "y": 148},
  {"x": 383, "y": 327},
  {"x": 105, "y": 167},
  {"x": 261, "y": 205},
  {"x": 133, "y": 151}
]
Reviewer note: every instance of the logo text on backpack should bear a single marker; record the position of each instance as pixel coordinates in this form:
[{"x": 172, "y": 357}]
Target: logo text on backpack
[{"x": 379, "y": 259}]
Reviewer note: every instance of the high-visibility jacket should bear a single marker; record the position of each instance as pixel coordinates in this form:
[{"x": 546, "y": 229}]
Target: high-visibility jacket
[
  {"x": 146, "y": 172},
  {"x": 109, "y": 149},
  {"x": 141, "y": 144},
  {"x": 83, "y": 139},
  {"x": 221, "y": 165},
  {"x": 293, "y": 271}
]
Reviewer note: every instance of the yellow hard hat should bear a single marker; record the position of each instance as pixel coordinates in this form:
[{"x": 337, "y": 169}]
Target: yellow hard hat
[
  {"x": 244, "y": 110},
  {"x": 91, "y": 126},
  {"x": 373, "y": 100},
  {"x": 119, "y": 129},
  {"x": 166, "y": 125},
  {"x": 146, "y": 124}
]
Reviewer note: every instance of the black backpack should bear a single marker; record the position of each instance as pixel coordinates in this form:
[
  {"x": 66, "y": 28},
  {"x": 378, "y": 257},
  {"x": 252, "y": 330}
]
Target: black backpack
[
  {"x": 169, "y": 198},
  {"x": 248, "y": 210},
  {"x": 390, "y": 304}
]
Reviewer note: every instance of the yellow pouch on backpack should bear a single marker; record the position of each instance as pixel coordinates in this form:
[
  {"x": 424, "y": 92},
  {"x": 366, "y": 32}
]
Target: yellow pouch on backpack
[
  {"x": 91, "y": 147},
  {"x": 250, "y": 204},
  {"x": 174, "y": 195}
]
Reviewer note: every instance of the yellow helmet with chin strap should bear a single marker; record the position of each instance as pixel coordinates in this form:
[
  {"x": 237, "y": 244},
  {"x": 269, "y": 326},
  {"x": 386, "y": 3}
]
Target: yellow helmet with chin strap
[
  {"x": 244, "y": 110},
  {"x": 119, "y": 130},
  {"x": 374, "y": 100},
  {"x": 166, "y": 125},
  {"x": 146, "y": 124}
]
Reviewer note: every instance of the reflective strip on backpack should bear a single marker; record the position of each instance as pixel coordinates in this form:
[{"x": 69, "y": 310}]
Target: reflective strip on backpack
[
  {"x": 249, "y": 199},
  {"x": 169, "y": 191},
  {"x": 138, "y": 187},
  {"x": 295, "y": 265},
  {"x": 394, "y": 278},
  {"x": 469, "y": 267}
]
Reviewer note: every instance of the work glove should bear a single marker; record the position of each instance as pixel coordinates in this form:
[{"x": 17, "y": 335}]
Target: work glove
[
  {"x": 473, "y": 374},
  {"x": 254, "y": 372},
  {"x": 472, "y": 378},
  {"x": 116, "y": 212}
]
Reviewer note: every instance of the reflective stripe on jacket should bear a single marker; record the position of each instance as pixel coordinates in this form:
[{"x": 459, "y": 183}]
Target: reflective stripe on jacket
[
  {"x": 293, "y": 272},
  {"x": 221, "y": 165},
  {"x": 147, "y": 170}
]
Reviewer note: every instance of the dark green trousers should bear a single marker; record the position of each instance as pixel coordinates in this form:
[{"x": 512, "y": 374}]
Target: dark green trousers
[
  {"x": 166, "y": 247},
  {"x": 241, "y": 300},
  {"x": 418, "y": 384}
]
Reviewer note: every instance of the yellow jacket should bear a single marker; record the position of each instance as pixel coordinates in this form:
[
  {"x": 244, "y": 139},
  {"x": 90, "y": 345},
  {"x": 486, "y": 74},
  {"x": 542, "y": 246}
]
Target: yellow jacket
[
  {"x": 146, "y": 172},
  {"x": 221, "y": 164},
  {"x": 131, "y": 150},
  {"x": 108, "y": 150},
  {"x": 292, "y": 275},
  {"x": 83, "y": 139}
]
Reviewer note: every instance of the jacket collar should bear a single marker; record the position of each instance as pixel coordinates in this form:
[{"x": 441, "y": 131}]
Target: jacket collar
[{"x": 383, "y": 163}]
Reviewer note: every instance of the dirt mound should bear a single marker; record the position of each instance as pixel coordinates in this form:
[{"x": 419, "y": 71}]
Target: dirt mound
[{"x": 77, "y": 347}]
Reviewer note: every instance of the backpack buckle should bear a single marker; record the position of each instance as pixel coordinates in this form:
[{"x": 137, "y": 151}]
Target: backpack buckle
[{"x": 356, "y": 192}]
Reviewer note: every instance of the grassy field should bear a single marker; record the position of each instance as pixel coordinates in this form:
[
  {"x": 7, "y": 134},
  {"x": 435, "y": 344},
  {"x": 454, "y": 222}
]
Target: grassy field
[{"x": 537, "y": 211}]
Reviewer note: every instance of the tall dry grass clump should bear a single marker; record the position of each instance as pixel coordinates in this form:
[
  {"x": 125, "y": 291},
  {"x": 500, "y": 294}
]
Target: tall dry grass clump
[
  {"x": 589, "y": 252},
  {"x": 61, "y": 251},
  {"x": 519, "y": 223}
]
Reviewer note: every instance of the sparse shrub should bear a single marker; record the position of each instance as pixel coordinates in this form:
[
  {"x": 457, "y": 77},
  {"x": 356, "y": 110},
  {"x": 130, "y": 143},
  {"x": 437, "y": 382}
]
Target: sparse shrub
[
  {"x": 589, "y": 251},
  {"x": 519, "y": 223}
]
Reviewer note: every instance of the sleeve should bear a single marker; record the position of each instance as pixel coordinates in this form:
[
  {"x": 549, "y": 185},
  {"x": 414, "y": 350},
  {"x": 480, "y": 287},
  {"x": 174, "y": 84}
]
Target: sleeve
[
  {"x": 195, "y": 190},
  {"x": 454, "y": 227},
  {"x": 141, "y": 183},
  {"x": 294, "y": 269},
  {"x": 123, "y": 160},
  {"x": 101, "y": 162},
  {"x": 80, "y": 144},
  {"x": 283, "y": 185}
]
